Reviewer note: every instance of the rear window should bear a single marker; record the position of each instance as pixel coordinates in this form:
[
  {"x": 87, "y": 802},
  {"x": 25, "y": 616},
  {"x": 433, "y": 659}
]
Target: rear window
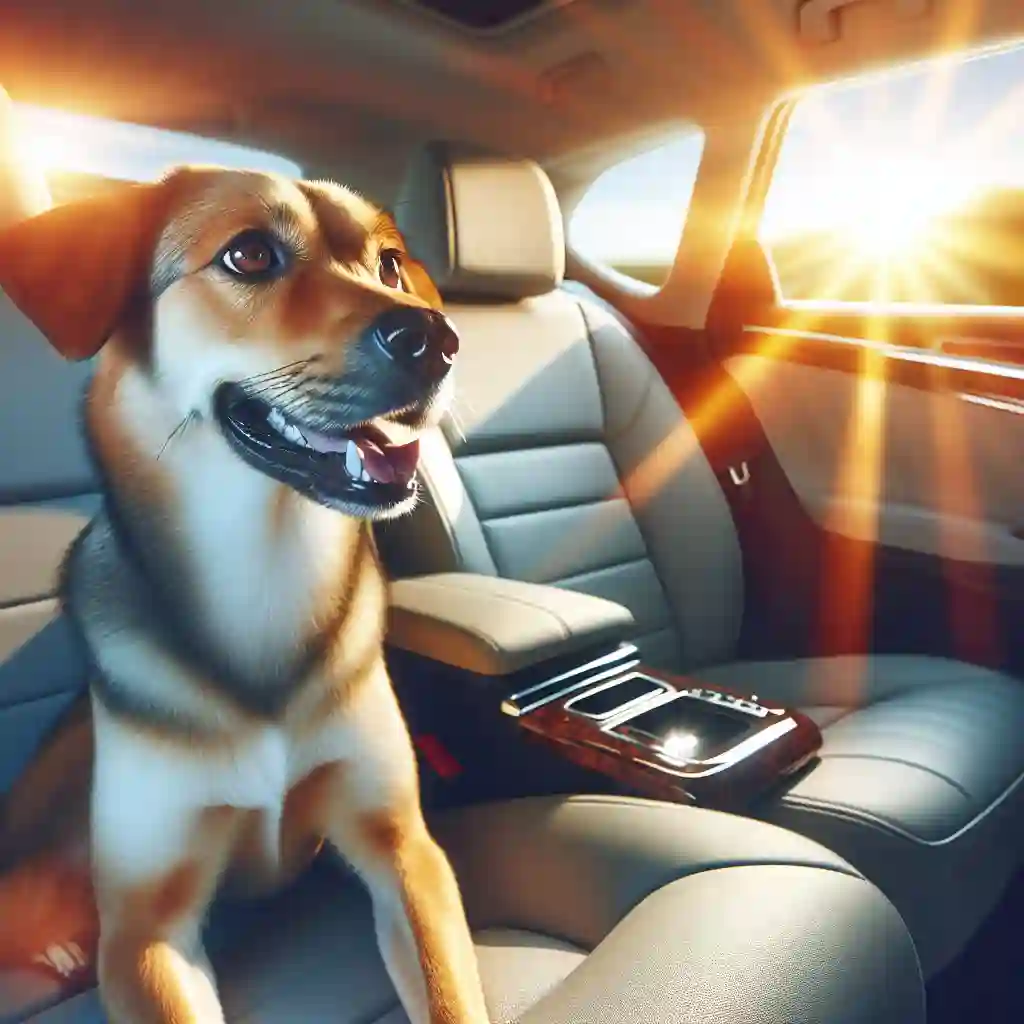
[
  {"x": 631, "y": 218},
  {"x": 81, "y": 154},
  {"x": 904, "y": 190}
]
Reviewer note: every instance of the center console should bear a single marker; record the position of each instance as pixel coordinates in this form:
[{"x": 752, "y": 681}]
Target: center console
[
  {"x": 667, "y": 737},
  {"x": 559, "y": 666}
]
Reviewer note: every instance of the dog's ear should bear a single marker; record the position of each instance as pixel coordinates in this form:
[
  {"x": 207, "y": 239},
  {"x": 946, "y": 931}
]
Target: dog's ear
[
  {"x": 75, "y": 269},
  {"x": 417, "y": 280}
]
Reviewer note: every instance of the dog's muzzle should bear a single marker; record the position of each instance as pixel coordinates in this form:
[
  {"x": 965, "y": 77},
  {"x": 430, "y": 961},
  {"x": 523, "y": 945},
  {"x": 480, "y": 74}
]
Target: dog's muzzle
[
  {"x": 328, "y": 437},
  {"x": 421, "y": 342}
]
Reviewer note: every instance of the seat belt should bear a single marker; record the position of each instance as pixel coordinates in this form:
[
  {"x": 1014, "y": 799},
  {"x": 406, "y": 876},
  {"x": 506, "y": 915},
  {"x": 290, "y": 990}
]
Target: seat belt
[
  {"x": 732, "y": 439},
  {"x": 758, "y": 493}
]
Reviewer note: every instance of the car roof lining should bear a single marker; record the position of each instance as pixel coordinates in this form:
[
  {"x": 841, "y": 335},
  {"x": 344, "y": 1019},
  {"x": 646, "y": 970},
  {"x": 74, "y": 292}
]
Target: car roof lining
[{"x": 325, "y": 80}]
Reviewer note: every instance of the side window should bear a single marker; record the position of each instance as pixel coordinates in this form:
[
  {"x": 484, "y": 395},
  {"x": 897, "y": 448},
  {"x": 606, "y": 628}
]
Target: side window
[
  {"x": 80, "y": 154},
  {"x": 631, "y": 218},
  {"x": 904, "y": 190}
]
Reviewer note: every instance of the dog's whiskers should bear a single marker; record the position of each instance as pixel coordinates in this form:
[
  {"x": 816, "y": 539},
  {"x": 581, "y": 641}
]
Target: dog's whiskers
[
  {"x": 275, "y": 390},
  {"x": 178, "y": 431},
  {"x": 288, "y": 370}
]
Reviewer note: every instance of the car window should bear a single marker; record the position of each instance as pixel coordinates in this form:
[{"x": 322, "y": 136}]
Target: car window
[
  {"x": 631, "y": 218},
  {"x": 904, "y": 190},
  {"x": 81, "y": 154}
]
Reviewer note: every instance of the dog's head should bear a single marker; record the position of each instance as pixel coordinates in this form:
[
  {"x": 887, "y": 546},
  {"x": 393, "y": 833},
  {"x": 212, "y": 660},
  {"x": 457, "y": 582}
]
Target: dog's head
[{"x": 286, "y": 313}]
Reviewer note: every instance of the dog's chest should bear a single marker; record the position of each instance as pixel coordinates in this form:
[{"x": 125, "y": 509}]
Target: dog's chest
[
  {"x": 259, "y": 570},
  {"x": 147, "y": 795}
]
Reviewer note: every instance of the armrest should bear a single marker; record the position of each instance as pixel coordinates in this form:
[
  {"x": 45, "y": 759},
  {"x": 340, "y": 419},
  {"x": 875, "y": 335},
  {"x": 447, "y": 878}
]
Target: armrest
[{"x": 493, "y": 627}]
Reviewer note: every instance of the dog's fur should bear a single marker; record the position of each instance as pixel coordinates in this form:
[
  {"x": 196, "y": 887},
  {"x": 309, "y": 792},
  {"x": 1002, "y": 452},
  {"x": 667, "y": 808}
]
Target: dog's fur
[{"x": 240, "y": 713}]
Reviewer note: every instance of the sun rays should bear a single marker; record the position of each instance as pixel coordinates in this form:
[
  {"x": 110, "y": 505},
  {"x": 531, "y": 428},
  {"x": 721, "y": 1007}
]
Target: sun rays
[{"x": 895, "y": 218}]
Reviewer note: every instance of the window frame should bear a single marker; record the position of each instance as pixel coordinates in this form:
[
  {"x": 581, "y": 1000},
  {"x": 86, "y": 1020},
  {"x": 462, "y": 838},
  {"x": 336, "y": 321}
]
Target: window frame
[
  {"x": 981, "y": 346},
  {"x": 608, "y": 271}
]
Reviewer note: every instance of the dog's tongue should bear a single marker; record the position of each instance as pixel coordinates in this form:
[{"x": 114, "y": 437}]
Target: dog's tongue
[{"x": 385, "y": 462}]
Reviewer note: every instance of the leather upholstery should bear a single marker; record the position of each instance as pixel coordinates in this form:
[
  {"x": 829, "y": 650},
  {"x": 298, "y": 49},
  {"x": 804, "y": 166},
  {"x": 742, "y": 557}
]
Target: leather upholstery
[
  {"x": 467, "y": 243},
  {"x": 46, "y": 495},
  {"x": 569, "y": 463},
  {"x": 923, "y": 786},
  {"x": 590, "y": 911},
  {"x": 492, "y": 626}
]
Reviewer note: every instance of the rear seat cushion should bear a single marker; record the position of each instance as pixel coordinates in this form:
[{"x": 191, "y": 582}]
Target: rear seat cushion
[
  {"x": 590, "y": 911},
  {"x": 572, "y": 464},
  {"x": 920, "y": 784}
]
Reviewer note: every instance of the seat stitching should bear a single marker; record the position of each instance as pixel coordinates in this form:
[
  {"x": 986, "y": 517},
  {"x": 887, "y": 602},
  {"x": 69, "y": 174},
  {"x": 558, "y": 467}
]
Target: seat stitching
[
  {"x": 585, "y": 503},
  {"x": 647, "y": 806},
  {"x": 897, "y": 760},
  {"x": 860, "y": 816}
]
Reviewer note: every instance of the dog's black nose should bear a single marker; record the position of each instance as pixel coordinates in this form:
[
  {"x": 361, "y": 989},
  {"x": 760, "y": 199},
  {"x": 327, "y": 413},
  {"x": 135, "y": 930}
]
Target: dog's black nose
[{"x": 422, "y": 341}]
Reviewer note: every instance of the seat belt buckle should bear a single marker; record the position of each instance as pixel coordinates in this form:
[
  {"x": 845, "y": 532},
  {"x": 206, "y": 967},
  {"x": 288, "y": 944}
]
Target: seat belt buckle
[{"x": 740, "y": 474}]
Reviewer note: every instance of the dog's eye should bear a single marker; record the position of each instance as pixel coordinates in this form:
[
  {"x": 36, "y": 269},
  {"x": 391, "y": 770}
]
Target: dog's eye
[
  {"x": 389, "y": 268},
  {"x": 252, "y": 254}
]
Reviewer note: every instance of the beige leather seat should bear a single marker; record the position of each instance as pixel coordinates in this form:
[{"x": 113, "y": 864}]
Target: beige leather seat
[
  {"x": 554, "y": 471},
  {"x": 586, "y": 911}
]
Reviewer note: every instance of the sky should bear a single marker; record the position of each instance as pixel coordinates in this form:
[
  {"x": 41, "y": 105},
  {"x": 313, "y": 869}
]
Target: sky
[
  {"x": 876, "y": 154},
  {"x": 932, "y": 137}
]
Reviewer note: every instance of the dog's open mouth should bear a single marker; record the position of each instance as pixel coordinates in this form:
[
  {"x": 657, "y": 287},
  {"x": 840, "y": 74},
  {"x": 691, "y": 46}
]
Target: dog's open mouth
[{"x": 356, "y": 469}]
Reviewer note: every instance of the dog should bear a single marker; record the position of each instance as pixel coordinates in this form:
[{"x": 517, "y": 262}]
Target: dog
[{"x": 267, "y": 355}]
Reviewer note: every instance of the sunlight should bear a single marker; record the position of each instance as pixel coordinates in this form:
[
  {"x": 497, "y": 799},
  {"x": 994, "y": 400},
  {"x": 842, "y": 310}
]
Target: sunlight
[
  {"x": 972, "y": 609},
  {"x": 61, "y": 141},
  {"x": 877, "y": 201},
  {"x": 894, "y": 178},
  {"x": 847, "y": 591},
  {"x": 886, "y": 203}
]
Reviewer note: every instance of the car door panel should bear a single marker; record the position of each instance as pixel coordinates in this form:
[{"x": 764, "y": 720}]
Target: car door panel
[{"x": 947, "y": 478}]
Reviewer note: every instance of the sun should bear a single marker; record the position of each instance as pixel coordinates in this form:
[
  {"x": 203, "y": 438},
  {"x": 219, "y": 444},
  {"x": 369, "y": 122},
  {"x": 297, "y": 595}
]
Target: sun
[{"x": 886, "y": 203}]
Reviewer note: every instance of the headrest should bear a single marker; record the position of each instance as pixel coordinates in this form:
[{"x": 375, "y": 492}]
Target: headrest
[
  {"x": 483, "y": 227},
  {"x": 23, "y": 189}
]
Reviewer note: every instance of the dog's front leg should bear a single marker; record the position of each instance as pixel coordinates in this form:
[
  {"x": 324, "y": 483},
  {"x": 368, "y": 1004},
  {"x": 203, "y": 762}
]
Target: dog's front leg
[
  {"x": 375, "y": 821},
  {"x": 421, "y": 924},
  {"x": 158, "y": 855},
  {"x": 152, "y": 967}
]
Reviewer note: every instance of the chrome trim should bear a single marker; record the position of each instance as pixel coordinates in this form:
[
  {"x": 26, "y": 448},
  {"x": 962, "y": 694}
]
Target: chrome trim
[
  {"x": 510, "y": 707},
  {"x": 722, "y": 761},
  {"x": 630, "y": 705},
  {"x": 622, "y": 659},
  {"x": 665, "y": 698}
]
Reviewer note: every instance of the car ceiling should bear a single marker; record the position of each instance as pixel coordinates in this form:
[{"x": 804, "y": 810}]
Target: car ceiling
[{"x": 334, "y": 82}]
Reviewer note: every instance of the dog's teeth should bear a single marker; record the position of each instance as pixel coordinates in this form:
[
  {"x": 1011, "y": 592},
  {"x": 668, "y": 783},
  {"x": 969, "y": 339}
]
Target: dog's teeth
[
  {"x": 353, "y": 461},
  {"x": 276, "y": 419},
  {"x": 293, "y": 434}
]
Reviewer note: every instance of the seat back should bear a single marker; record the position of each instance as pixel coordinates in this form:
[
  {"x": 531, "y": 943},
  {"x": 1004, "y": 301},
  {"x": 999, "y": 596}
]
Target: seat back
[
  {"x": 47, "y": 494},
  {"x": 566, "y": 459}
]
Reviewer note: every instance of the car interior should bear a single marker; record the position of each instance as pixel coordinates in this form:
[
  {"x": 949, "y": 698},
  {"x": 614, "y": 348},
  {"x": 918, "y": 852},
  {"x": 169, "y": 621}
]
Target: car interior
[{"x": 708, "y": 628}]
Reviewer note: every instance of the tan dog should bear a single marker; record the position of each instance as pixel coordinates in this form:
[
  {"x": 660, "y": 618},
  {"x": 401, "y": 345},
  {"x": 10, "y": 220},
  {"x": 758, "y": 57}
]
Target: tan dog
[{"x": 266, "y": 345}]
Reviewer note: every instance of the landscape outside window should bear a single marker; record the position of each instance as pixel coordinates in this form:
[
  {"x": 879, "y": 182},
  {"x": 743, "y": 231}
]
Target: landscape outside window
[
  {"x": 904, "y": 190},
  {"x": 631, "y": 218}
]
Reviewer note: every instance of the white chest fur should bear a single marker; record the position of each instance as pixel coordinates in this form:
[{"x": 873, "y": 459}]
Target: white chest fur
[{"x": 257, "y": 570}]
